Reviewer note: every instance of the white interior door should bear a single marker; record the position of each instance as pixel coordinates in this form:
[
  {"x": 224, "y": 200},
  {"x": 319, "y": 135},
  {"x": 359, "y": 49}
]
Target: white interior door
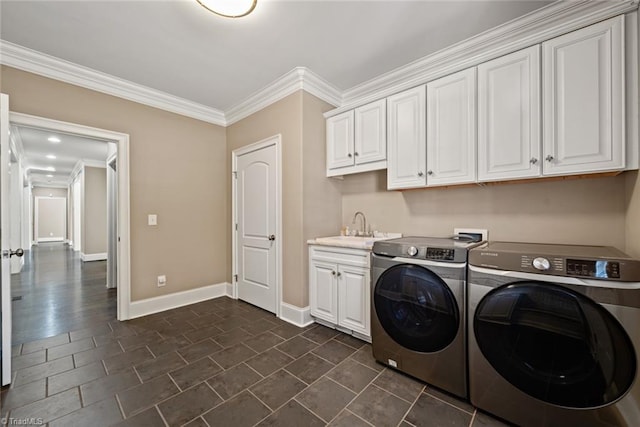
[
  {"x": 256, "y": 216},
  {"x": 5, "y": 241}
]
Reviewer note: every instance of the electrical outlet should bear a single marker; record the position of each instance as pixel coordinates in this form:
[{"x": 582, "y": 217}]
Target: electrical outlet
[
  {"x": 152, "y": 219},
  {"x": 162, "y": 280}
]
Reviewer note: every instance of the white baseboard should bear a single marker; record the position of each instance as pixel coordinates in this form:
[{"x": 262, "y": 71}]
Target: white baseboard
[
  {"x": 93, "y": 257},
  {"x": 230, "y": 290},
  {"x": 50, "y": 239},
  {"x": 300, "y": 317},
  {"x": 179, "y": 299}
]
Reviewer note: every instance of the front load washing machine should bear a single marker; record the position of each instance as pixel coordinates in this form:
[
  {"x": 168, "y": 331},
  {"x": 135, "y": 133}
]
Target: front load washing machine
[
  {"x": 418, "y": 308},
  {"x": 554, "y": 334}
]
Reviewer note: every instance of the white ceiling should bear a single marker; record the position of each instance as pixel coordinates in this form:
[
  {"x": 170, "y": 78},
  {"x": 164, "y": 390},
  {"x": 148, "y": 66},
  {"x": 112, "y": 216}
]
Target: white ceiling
[
  {"x": 179, "y": 48},
  {"x": 68, "y": 152}
]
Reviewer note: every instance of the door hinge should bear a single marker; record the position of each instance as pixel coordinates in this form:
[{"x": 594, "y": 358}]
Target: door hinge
[
  {"x": 235, "y": 277},
  {"x": 235, "y": 174},
  {"x": 236, "y": 226}
]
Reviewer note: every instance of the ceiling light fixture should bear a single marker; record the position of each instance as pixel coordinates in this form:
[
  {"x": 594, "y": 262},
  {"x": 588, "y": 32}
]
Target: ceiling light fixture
[
  {"x": 53, "y": 139},
  {"x": 51, "y": 156},
  {"x": 229, "y": 8},
  {"x": 49, "y": 176}
]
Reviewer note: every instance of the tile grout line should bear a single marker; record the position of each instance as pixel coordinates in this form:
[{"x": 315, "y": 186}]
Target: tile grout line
[
  {"x": 448, "y": 403},
  {"x": 411, "y": 405},
  {"x": 473, "y": 417},
  {"x": 357, "y": 396}
]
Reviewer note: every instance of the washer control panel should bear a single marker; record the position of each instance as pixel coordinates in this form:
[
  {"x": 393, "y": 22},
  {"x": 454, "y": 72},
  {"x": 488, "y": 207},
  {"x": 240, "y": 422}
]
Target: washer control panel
[{"x": 412, "y": 251}]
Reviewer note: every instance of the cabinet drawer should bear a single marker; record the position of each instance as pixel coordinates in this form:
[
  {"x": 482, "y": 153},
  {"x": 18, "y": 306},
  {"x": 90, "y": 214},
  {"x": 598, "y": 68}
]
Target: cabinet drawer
[{"x": 344, "y": 256}]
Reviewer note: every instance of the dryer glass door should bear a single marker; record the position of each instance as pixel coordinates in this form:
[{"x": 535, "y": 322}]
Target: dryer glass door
[
  {"x": 555, "y": 344},
  {"x": 416, "y": 308}
]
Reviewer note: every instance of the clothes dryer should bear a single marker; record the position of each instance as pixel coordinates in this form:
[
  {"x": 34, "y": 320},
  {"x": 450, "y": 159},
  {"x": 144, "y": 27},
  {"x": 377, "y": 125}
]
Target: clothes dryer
[{"x": 554, "y": 334}]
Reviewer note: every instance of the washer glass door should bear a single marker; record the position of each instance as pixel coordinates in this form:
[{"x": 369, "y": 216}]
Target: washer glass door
[
  {"x": 416, "y": 308},
  {"x": 555, "y": 344}
]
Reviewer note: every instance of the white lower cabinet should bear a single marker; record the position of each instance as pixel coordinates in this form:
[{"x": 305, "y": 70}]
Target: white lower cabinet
[{"x": 340, "y": 288}]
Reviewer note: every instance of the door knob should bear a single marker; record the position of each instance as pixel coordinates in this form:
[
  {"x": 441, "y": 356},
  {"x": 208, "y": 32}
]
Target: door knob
[
  {"x": 8, "y": 254},
  {"x": 272, "y": 237}
]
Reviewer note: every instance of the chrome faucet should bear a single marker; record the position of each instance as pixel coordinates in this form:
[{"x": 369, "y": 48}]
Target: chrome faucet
[{"x": 364, "y": 224}]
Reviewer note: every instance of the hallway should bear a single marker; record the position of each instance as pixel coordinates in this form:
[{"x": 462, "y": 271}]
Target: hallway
[{"x": 56, "y": 292}]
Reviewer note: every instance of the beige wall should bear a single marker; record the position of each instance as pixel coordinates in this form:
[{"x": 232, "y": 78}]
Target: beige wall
[
  {"x": 52, "y": 213},
  {"x": 581, "y": 211},
  {"x": 47, "y": 192},
  {"x": 94, "y": 218},
  {"x": 178, "y": 170},
  {"x": 298, "y": 119},
  {"x": 632, "y": 223},
  {"x": 322, "y": 204}
]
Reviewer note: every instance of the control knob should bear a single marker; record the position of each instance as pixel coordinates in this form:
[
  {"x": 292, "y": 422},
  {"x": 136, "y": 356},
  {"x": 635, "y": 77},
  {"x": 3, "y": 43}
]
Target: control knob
[
  {"x": 541, "y": 264},
  {"x": 412, "y": 251}
]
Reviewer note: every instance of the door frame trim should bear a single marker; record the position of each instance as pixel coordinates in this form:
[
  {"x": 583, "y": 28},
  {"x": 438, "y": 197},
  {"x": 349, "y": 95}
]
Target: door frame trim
[
  {"x": 122, "y": 142},
  {"x": 276, "y": 141}
]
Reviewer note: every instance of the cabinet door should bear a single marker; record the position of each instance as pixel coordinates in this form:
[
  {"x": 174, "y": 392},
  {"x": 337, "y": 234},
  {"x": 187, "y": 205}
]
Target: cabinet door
[
  {"x": 406, "y": 151},
  {"x": 354, "y": 299},
  {"x": 509, "y": 116},
  {"x": 323, "y": 295},
  {"x": 371, "y": 132},
  {"x": 340, "y": 140},
  {"x": 583, "y": 81},
  {"x": 451, "y": 129}
]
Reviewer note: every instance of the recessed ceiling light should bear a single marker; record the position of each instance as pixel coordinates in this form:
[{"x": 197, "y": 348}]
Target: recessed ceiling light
[
  {"x": 51, "y": 156},
  {"x": 53, "y": 139},
  {"x": 49, "y": 176}
]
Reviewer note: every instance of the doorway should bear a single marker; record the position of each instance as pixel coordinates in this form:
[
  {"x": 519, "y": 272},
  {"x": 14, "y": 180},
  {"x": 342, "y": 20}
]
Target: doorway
[
  {"x": 257, "y": 224},
  {"x": 121, "y": 198}
]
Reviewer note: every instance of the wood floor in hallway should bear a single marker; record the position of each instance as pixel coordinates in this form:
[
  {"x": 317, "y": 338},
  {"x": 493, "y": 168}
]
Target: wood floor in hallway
[{"x": 56, "y": 292}]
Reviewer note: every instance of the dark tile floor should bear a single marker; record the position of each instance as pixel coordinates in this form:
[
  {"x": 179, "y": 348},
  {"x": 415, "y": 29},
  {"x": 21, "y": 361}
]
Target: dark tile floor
[{"x": 217, "y": 363}]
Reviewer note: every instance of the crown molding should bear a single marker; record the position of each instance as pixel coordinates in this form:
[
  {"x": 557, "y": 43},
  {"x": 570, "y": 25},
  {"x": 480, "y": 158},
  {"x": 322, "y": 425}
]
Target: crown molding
[
  {"x": 25, "y": 59},
  {"x": 543, "y": 24},
  {"x": 300, "y": 78}
]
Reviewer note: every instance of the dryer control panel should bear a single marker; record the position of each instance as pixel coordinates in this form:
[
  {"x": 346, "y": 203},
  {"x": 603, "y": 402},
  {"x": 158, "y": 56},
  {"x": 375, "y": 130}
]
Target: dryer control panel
[{"x": 590, "y": 262}]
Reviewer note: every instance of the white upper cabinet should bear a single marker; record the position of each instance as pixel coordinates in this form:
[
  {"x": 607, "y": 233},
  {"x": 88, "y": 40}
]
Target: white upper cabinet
[
  {"x": 583, "y": 83},
  {"x": 451, "y": 129},
  {"x": 340, "y": 140},
  {"x": 406, "y": 151},
  {"x": 357, "y": 140},
  {"x": 509, "y": 144},
  {"x": 371, "y": 132}
]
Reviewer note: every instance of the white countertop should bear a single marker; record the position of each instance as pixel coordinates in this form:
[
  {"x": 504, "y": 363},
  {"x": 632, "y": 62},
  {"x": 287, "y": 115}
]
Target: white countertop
[{"x": 355, "y": 242}]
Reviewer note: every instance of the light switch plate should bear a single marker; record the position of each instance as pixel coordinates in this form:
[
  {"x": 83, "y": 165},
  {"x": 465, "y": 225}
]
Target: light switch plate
[{"x": 153, "y": 219}]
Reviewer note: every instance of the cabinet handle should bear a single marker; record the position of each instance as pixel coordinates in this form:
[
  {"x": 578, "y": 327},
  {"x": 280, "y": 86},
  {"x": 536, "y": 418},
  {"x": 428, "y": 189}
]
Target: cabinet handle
[
  {"x": 355, "y": 154},
  {"x": 349, "y": 155},
  {"x": 333, "y": 273},
  {"x": 339, "y": 274},
  {"x": 429, "y": 173},
  {"x": 533, "y": 161},
  {"x": 549, "y": 158},
  {"x": 420, "y": 174}
]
